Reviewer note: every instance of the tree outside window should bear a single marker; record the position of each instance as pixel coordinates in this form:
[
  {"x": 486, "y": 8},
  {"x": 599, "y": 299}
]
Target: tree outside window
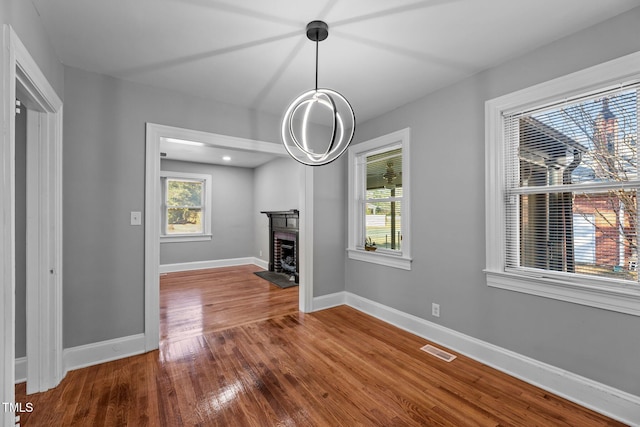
[{"x": 184, "y": 206}]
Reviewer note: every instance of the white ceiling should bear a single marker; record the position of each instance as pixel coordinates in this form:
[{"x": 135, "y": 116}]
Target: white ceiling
[
  {"x": 213, "y": 154},
  {"x": 254, "y": 53}
]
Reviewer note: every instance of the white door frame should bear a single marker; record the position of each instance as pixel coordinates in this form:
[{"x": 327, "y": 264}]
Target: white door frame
[
  {"x": 152, "y": 218},
  {"x": 44, "y": 224}
]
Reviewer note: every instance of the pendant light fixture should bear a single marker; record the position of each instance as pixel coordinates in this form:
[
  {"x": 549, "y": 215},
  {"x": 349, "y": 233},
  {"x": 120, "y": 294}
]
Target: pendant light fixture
[
  {"x": 319, "y": 124},
  {"x": 390, "y": 175}
]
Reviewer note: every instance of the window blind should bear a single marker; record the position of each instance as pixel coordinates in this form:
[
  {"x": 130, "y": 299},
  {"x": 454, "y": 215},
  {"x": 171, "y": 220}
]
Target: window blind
[{"x": 571, "y": 186}]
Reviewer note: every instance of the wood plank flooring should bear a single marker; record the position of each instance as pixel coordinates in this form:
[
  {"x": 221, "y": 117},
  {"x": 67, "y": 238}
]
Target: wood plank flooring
[{"x": 235, "y": 351}]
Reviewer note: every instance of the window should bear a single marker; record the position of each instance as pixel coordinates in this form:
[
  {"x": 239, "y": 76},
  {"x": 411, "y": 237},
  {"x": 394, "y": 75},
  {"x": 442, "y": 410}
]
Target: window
[
  {"x": 562, "y": 182},
  {"x": 379, "y": 201},
  {"x": 186, "y": 206}
]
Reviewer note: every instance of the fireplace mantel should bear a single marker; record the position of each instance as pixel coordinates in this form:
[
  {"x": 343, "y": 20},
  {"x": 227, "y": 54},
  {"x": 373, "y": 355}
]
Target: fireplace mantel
[{"x": 283, "y": 220}]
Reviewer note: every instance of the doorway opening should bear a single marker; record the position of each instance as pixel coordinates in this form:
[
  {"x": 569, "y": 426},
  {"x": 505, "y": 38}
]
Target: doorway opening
[{"x": 155, "y": 133}]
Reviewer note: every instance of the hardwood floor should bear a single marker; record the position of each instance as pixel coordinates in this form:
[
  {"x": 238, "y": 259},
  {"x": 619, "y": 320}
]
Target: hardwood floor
[
  {"x": 204, "y": 301},
  {"x": 235, "y": 351}
]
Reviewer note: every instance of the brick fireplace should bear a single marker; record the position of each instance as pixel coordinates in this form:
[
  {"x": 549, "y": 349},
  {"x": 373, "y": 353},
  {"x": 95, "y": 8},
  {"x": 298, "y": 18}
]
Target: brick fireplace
[{"x": 283, "y": 242}]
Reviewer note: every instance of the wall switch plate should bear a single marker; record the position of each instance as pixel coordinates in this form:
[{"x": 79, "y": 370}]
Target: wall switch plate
[
  {"x": 435, "y": 309},
  {"x": 136, "y": 218}
]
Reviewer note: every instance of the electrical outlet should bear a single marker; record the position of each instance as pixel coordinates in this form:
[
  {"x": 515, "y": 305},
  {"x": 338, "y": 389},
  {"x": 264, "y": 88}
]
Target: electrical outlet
[
  {"x": 260, "y": 253},
  {"x": 435, "y": 309}
]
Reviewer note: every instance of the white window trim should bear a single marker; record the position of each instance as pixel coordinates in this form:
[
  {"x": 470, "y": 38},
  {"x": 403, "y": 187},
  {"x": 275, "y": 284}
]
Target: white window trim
[
  {"x": 355, "y": 249},
  {"x": 586, "y": 291},
  {"x": 200, "y": 237}
]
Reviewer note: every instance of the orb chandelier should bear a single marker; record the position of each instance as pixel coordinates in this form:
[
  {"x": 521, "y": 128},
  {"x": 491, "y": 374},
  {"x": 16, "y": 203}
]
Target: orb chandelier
[{"x": 324, "y": 107}]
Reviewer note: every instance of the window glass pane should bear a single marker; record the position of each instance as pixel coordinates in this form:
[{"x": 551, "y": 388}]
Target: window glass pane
[
  {"x": 590, "y": 141},
  {"x": 384, "y": 174},
  {"x": 592, "y": 233},
  {"x": 384, "y": 193},
  {"x": 184, "y": 221},
  {"x": 184, "y": 193},
  {"x": 383, "y": 225}
]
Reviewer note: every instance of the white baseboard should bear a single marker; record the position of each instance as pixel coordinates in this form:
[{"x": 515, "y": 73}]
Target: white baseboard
[
  {"x": 101, "y": 352},
  {"x": 261, "y": 263},
  {"x": 201, "y": 265},
  {"x": 21, "y": 370},
  {"x": 599, "y": 397},
  {"x": 329, "y": 301}
]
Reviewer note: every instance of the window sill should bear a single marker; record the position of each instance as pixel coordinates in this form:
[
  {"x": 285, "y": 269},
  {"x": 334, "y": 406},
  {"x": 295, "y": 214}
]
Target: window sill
[
  {"x": 185, "y": 238},
  {"x": 622, "y": 300},
  {"x": 389, "y": 260}
]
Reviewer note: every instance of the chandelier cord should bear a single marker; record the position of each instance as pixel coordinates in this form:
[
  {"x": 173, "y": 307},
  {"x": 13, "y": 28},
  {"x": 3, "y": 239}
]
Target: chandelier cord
[{"x": 317, "y": 42}]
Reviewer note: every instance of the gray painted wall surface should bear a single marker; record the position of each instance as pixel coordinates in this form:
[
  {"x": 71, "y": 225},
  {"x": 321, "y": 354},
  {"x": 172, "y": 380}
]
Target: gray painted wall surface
[
  {"x": 447, "y": 164},
  {"x": 21, "y": 234},
  {"x": 231, "y": 215},
  {"x": 276, "y": 188},
  {"x": 104, "y": 150},
  {"x": 329, "y": 227},
  {"x": 24, "y": 19}
]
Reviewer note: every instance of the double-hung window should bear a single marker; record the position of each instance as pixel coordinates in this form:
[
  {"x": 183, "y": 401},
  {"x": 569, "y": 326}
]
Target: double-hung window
[
  {"x": 379, "y": 201},
  {"x": 562, "y": 188},
  {"x": 186, "y": 206}
]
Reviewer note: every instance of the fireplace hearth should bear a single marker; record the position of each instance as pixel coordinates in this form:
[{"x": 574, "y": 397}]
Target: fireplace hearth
[{"x": 283, "y": 242}]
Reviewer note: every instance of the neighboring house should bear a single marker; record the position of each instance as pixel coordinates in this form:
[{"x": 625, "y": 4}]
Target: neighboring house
[
  {"x": 577, "y": 232},
  {"x": 547, "y": 219},
  {"x": 613, "y": 214}
]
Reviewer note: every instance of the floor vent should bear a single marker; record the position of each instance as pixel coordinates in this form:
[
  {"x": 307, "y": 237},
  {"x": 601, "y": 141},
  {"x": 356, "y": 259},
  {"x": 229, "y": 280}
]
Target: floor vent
[{"x": 440, "y": 354}]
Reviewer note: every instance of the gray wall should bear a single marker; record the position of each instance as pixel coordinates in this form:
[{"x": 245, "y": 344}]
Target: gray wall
[
  {"x": 104, "y": 125},
  {"x": 24, "y": 19},
  {"x": 104, "y": 147},
  {"x": 329, "y": 231},
  {"x": 276, "y": 188},
  {"x": 447, "y": 163},
  {"x": 329, "y": 227},
  {"x": 239, "y": 206},
  {"x": 231, "y": 213}
]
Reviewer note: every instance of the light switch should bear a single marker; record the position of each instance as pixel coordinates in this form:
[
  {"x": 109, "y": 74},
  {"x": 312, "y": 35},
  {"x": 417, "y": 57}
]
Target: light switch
[{"x": 136, "y": 218}]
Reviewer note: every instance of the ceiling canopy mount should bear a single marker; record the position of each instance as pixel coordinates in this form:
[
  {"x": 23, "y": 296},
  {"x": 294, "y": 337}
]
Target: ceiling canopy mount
[{"x": 317, "y": 31}]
